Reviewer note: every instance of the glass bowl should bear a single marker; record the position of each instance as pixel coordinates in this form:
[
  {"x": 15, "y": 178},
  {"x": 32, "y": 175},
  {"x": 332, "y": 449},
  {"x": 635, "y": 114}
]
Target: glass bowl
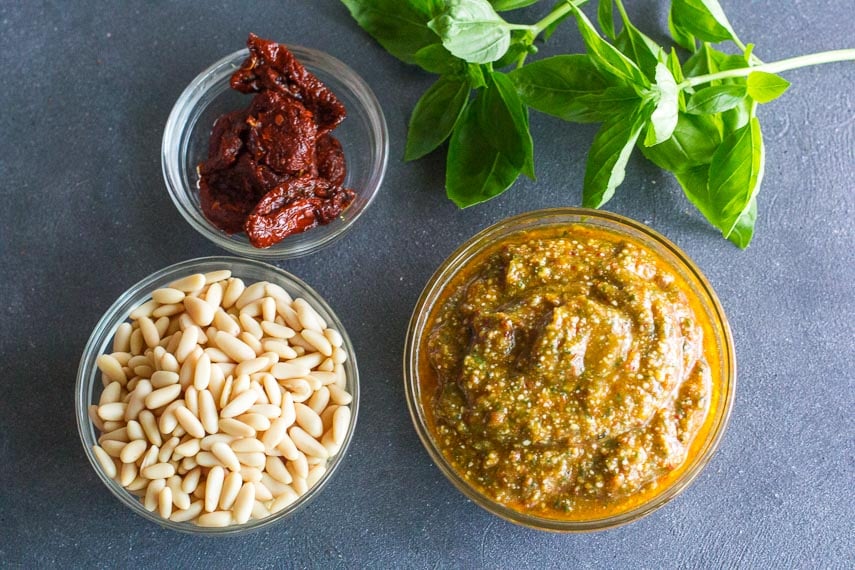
[
  {"x": 489, "y": 239},
  {"x": 88, "y": 387},
  {"x": 363, "y": 136}
]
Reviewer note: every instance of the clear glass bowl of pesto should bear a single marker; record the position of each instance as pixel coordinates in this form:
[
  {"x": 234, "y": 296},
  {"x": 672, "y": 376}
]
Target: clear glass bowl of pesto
[{"x": 569, "y": 369}]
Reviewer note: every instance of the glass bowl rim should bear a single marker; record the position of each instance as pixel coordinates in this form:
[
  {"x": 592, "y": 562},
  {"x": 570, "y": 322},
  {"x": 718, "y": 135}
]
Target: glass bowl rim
[
  {"x": 88, "y": 377},
  {"x": 569, "y": 215},
  {"x": 174, "y": 142}
]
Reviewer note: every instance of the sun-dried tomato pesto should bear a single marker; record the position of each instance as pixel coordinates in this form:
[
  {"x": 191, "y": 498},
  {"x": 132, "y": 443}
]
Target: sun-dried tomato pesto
[
  {"x": 274, "y": 169},
  {"x": 565, "y": 372}
]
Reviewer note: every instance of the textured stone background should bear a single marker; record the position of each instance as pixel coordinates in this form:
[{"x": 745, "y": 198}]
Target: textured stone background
[{"x": 87, "y": 87}]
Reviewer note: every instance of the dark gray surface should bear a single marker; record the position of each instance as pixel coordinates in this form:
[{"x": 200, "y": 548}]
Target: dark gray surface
[{"x": 86, "y": 91}]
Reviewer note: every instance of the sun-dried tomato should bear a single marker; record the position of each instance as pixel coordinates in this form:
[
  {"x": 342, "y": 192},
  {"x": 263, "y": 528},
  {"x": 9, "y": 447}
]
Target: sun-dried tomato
[
  {"x": 293, "y": 207},
  {"x": 270, "y": 66},
  {"x": 273, "y": 169},
  {"x": 329, "y": 158}
]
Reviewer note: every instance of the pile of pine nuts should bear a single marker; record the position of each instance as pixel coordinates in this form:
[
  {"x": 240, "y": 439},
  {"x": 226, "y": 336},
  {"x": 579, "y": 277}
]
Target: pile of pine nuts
[{"x": 222, "y": 401}]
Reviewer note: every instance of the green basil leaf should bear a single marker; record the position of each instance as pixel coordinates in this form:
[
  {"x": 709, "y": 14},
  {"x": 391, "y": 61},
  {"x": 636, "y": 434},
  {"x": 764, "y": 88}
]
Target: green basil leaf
[
  {"x": 703, "y": 18},
  {"x": 400, "y": 26},
  {"x": 608, "y": 59},
  {"x": 663, "y": 119},
  {"x": 436, "y": 59},
  {"x": 599, "y": 107},
  {"x": 673, "y": 63},
  {"x": 504, "y": 118},
  {"x": 519, "y": 44},
  {"x": 682, "y": 38},
  {"x": 476, "y": 75},
  {"x": 764, "y": 87},
  {"x": 646, "y": 53},
  {"x": 693, "y": 143},
  {"x": 434, "y": 116},
  {"x": 605, "y": 18},
  {"x": 475, "y": 171},
  {"x": 716, "y": 99},
  {"x": 472, "y": 31},
  {"x": 743, "y": 231},
  {"x": 554, "y": 85},
  {"x": 505, "y": 5},
  {"x": 736, "y": 172},
  {"x": 606, "y": 166}
]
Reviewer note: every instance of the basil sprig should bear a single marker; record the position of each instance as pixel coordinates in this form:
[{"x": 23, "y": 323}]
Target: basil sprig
[{"x": 692, "y": 113}]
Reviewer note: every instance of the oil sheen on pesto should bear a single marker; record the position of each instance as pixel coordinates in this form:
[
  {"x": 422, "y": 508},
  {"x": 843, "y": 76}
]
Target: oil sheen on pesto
[{"x": 569, "y": 372}]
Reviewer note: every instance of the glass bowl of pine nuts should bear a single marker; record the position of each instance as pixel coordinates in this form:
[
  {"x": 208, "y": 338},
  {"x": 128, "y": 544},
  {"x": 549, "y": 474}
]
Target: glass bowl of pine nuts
[{"x": 218, "y": 395}]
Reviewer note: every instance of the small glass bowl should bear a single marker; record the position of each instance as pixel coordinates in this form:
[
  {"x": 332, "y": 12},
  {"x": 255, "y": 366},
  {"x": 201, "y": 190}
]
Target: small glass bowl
[
  {"x": 724, "y": 385},
  {"x": 363, "y": 136},
  {"x": 88, "y": 387}
]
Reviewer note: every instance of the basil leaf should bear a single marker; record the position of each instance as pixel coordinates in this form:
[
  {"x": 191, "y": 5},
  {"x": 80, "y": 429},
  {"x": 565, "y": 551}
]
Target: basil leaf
[
  {"x": 638, "y": 47},
  {"x": 716, "y": 99},
  {"x": 505, "y": 5},
  {"x": 472, "y": 31},
  {"x": 693, "y": 143},
  {"x": 400, "y": 26},
  {"x": 475, "y": 171},
  {"x": 703, "y": 18},
  {"x": 764, "y": 87},
  {"x": 612, "y": 147},
  {"x": 598, "y": 107},
  {"x": 682, "y": 38},
  {"x": 743, "y": 231},
  {"x": 736, "y": 172},
  {"x": 476, "y": 75},
  {"x": 554, "y": 85},
  {"x": 605, "y": 18},
  {"x": 608, "y": 59},
  {"x": 663, "y": 120},
  {"x": 673, "y": 63},
  {"x": 436, "y": 59},
  {"x": 504, "y": 119},
  {"x": 519, "y": 44},
  {"x": 434, "y": 116}
]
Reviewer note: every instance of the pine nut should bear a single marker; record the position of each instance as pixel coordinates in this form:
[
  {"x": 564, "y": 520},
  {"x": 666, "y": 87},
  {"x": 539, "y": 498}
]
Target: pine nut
[
  {"x": 244, "y": 502},
  {"x": 306, "y": 443},
  {"x": 227, "y": 457},
  {"x": 315, "y": 474},
  {"x": 284, "y": 500},
  {"x": 189, "y": 448},
  {"x": 189, "y": 422},
  {"x": 158, "y": 471},
  {"x": 319, "y": 400},
  {"x": 191, "y": 401},
  {"x": 191, "y": 480},
  {"x": 232, "y": 292},
  {"x": 215, "y": 519},
  {"x": 250, "y": 474},
  {"x": 235, "y": 427},
  {"x": 152, "y": 493},
  {"x": 162, "y": 396},
  {"x": 122, "y": 338},
  {"x": 272, "y": 389},
  {"x": 234, "y": 348},
  {"x": 252, "y": 366},
  {"x": 299, "y": 389},
  {"x": 144, "y": 310},
  {"x": 164, "y": 502},
  {"x": 247, "y": 445},
  {"x": 262, "y": 493},
  {"x": 310, "y": 360},
  {"x": 106, "y": 462},
  {"x": 231, "y": 487},
  {"x": 259, "y": 511},
  {"x": 309, "y": 319},
  {"x": 269, "y": 411},
  {"x": 288, "y": 449},
  {"x": 114, "y": 411},
  {"x": 273, "y": 436},
  {"x": 127, "y": 474},
  {"x": 202, "y": 373},
  {"x": 149, "y": 332},
  {"x": 309, "y": 421},
  {"x": 239, "y": 404},
  {"x": 279, "y": 348},
  {"x": 213, "y": 488},
  {"x": 150, "y": 457},
  {"x": 189, "y": 340},
  {"x": 112, "y": 368},
  {"x": 190, "y": 283},
  {"x": 188, "y": 514},
  {"x": 225, "y": 323},
  {"x": 339, "y": 396},
  {"x": 288, "y": 370},
  {"x": 208, "y": 412},
  {"x": 214, "y": 296},
  {"x": 200, "y": 311},
  {"x": 255, "y": 421},
  {"x": 163, "y": 378},
  {"x": 318, "y": 341},
  {"x": 252, "y": 342},
  {"x": 340, "y": 424},
  {"x": 216, "y": 276},
  {"x": 300, "y": 486},
  {"x": 252, "y": 293},
  {"x": 276, "y": 469},
  {"x": 133, "y": 451},
  {"x": 135, "y": 431}
]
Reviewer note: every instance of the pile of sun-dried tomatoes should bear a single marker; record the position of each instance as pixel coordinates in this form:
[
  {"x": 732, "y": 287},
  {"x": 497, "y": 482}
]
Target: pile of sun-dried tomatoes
[{"x": 274, "y": 169}]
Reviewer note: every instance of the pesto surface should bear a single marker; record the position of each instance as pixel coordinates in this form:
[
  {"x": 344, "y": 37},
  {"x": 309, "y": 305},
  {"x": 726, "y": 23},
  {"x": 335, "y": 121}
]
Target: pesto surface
[{"x": 569, "y": 372}]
